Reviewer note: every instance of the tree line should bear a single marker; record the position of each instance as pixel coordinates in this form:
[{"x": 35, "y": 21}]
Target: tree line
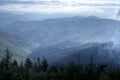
[{"x": 38, "y": 69}]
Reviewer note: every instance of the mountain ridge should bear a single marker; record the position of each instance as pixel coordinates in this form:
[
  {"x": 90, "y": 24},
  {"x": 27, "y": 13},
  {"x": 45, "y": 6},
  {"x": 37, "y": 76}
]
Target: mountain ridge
[
  {"x": 51, "y": 30},
  {"x": 19, "y": 48}
]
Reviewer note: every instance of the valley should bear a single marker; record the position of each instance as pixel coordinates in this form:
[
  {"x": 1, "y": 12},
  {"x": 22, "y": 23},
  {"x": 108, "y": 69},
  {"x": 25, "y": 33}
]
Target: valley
[{"x": 61, "y": 39}]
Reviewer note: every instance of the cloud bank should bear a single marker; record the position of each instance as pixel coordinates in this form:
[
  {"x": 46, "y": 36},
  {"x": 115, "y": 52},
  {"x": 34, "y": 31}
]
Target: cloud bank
[{"x": 104, "y": 8}]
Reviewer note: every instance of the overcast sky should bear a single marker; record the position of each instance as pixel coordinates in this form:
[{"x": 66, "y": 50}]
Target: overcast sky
[{"x": 103, "y": 8}]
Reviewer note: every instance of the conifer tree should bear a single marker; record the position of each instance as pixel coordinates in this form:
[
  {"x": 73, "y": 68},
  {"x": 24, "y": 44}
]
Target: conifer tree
[
  {"x": 28, "y": 63},
  {"x": 6, "y": 65},
  {"x": 44, "y": 65},
  {"x": 38, "y": 65},
  {"x": 91, "y": 68}
]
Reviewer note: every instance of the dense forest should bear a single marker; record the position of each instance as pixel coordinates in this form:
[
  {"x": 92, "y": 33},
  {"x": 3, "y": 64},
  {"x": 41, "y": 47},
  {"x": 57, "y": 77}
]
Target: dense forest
[{"x": 39, "y": 69}]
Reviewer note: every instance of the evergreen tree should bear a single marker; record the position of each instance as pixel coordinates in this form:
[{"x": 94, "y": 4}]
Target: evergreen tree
[
  {"x": 28, "y": 63},
  {"x": 74, "y": 72},
  {"x": 15, "y": 63},
  {"x": 44, "y": 65},
  {"x": 91, "y": 69},
  {"x": 11, "y": 70},
  {"x": 38, "y": 65},
  {"x": 43, "y": 75},
  {"x": 6, "y": 66}
]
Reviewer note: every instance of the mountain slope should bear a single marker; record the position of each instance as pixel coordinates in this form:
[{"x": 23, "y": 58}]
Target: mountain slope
[
  {"x": 52, "y": 31},
  {"x": 101, "y": 52},
  {"x": 53, "y": 53},
  {"x": 19, "y": 47}
]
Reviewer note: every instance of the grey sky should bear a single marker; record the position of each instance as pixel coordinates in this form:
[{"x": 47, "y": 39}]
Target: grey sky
[{"x": 104, "y": 8}]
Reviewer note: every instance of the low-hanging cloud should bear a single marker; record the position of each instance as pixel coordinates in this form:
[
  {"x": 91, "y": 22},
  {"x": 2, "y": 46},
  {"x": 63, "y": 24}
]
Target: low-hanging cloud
[{"x": 91, "y": 7}]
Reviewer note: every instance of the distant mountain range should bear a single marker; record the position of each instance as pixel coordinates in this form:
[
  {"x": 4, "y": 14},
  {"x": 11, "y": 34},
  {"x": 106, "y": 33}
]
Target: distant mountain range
[
  {"x": 60, "y": 39},
  {"x": 52, "y": 31},
  {"x": 101, "y": 52},
  {"x": 54, "y": 52}
]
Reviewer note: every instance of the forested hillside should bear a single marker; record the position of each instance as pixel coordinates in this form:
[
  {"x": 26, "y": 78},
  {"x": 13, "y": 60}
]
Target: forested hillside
[
  {"x": 20, "y": 48},
  {"x": 39, "y": 69}
]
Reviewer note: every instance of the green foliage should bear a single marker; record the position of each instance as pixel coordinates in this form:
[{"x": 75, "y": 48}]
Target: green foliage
[
  {"x": 6, "y": 66},
  {"x": 74, "y": 71},
  {"x": 91, "y": 69},
  {"x": 44, "y": 65},
  {"x": 28, "y": 63},
  {"x": 103, "y": 77},
  {"x": 43, "y": 75},
  {"x": 39, "y": 70}
]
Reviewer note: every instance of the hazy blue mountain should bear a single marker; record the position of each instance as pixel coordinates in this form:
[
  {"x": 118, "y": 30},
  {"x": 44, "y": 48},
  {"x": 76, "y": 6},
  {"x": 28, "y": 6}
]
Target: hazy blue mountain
[
  {"x": 54, "y": 52},
  {"x": 18, "y": 47},
  {"x": 52, "y": 31},
  {"x": 102, "y": 53},
  {"x": 10, "y": 17},
  {"x": 53, "y": 35}
]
